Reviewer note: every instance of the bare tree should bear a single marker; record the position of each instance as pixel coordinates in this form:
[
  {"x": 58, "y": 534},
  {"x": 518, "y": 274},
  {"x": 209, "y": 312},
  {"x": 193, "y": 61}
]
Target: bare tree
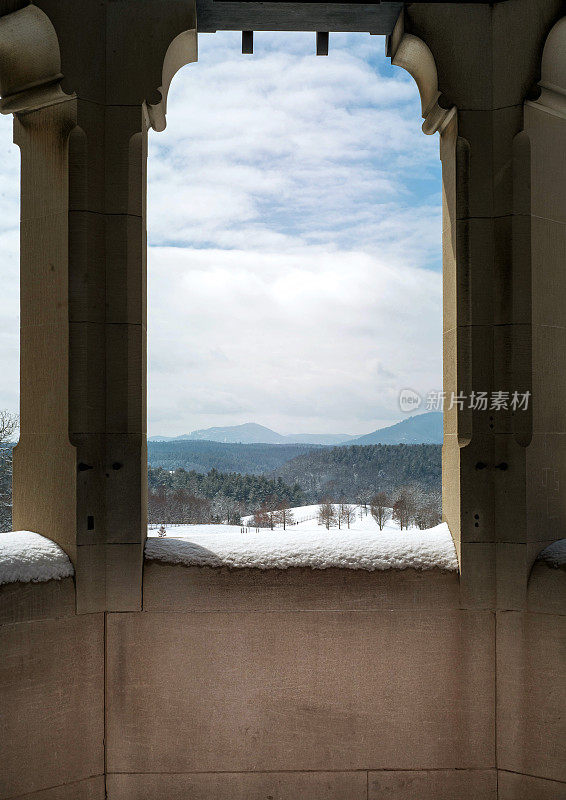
[
  {"x": 380, "y": 508},
  {"x": 346, "y": 513},
  {"x": 261, "y": 518},
  {"x": 8, "y": 427},
  {"x": 428, "y": 512},
  {"x": 404, "y": 507},
  {"x": 363, "y": 498},
  {"x": 284, "y": 516},
  {"x": 326, "y": 514}
]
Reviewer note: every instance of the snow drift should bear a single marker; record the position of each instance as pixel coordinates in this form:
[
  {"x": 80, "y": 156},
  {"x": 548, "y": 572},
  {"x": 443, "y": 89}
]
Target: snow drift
[
  {"x": 27, "y": 556},
  {"x": 365, "y": 547}
]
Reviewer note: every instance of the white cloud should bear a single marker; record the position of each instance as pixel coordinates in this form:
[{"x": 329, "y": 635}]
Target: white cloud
[
  {"x": 294, "y": 229},
  {"x": 292, "y": 340},
  {"x": 305, "y": 214}
]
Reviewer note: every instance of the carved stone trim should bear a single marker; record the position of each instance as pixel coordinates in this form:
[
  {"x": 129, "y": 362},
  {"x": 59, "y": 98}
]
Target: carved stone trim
[
  {"x": 30, "y": 62},
  {"x": 414, "y": 55},
  {"x": 552, "y": 99},
  {"x": 182, "y": 50}
]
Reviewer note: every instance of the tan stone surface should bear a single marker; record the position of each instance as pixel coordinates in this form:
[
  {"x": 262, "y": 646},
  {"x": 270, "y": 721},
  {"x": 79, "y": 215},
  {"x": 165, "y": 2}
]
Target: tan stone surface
[
  {"x": 27, "y": 602},
  {"x": 51, "y": 694},
  {"x": 549, "y": 378},
  {"x": 462, "y": 77},
  {"x": 545, "y": 479},
  {"x": 87, "y": 302},
  {"x": 299, "y": 691},
  {"x": 433, "y": 785},
  {"x": 89, "y": 789},
  {"x": 478, "y": 575},
  {"x": 44, "y": 494},
  {"x": 525, "y": 787},
  {"x": 169, "y": 587},
  {"x": 548, "y": 245},
  {"x": 513, "y": 571},
  {"x": 531, "y": 693},
  {"x": 240, "y": 786},
  {"x": 519, "y": 29},
  {"x": 111, "y": 577},
  {"x": 126, "y": 362},
  {"x": 548, "y": 168},
  {"x": 126, "y": 279},
  {"x": 126, "y": 488}
]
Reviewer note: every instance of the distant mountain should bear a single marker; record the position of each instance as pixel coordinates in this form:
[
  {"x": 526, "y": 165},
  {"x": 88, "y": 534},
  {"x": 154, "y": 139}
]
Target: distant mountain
[
  {"x": 420, "y": 429},
  {"x": 252, "y": 433},
  {"x": 249, "y": 433}
]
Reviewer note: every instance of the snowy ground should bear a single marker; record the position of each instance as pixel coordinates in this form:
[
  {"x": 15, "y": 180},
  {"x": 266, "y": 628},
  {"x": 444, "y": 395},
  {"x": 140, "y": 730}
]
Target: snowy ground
[
  {"x": 306, "y": 544},
  {"x": 26, "y": 556}
]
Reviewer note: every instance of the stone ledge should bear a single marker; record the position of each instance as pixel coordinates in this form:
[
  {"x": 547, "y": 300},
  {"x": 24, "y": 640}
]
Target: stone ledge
[
  {"x": 28, "y": 602},
  {"x": 168, "y": 587}
]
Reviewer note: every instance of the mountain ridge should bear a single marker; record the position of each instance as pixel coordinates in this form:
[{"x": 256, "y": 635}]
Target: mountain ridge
[{"x": 418, "y": 429}]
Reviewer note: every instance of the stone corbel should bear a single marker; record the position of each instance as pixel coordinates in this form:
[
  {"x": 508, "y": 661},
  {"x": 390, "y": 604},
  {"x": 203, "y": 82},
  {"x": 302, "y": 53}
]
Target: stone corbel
[
  {"x": 30, "y": 62},
  {"x": 414, "y": 55},
  {"x": 183, "y": 50},
  {"x": 553, "y": 73}
]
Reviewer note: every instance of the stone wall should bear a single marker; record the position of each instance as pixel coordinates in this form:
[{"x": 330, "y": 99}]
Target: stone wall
[
  {"x": 51, "y": 694},
  {"x": 249, "y": 685}
]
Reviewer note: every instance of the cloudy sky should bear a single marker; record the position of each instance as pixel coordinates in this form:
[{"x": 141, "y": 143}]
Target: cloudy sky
[{"x": 294, "y": 241}]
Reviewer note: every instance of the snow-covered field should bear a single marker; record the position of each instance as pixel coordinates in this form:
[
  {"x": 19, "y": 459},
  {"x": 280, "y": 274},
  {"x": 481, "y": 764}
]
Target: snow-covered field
[
  {"x": 306, "y": 544},
  {"x": 26, "y": 556}
]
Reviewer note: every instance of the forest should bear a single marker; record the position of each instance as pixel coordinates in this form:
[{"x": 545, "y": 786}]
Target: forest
[{"x": 348, "y": 470}]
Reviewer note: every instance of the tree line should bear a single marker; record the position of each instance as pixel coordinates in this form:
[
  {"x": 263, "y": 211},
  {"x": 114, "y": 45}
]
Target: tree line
[{"x": 193, "y": 498}]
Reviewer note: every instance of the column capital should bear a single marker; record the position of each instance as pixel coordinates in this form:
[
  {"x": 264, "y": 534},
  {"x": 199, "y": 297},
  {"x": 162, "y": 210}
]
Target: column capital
[
  {"x": 30, "y": 62},
  {"x": 553, "y": 73}
]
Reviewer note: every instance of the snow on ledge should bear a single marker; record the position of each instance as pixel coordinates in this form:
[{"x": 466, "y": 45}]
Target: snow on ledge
[
  {"x": 29, "y": 557},
  {"x": 554, "y": 554},
  {"x": 319, "y": 549}
]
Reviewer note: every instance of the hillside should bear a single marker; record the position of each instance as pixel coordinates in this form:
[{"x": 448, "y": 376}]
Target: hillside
[
  {"x": 346, "y": 471},
  {"x": 202, "y": 456},
  {"x": 419, "y": 429}
]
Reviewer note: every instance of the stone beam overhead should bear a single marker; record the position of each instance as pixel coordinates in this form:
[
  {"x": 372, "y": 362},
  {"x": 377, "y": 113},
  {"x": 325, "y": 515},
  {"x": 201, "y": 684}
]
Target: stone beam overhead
[
  {"x": 235, "y": 15},
  {"x": 335, "y": 16}
]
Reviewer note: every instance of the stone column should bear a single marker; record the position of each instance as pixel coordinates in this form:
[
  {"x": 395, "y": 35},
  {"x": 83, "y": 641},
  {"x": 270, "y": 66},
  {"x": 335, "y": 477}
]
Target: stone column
[
  {"x": 499, "y": 479},
  {"x": 80, "y": 469}
]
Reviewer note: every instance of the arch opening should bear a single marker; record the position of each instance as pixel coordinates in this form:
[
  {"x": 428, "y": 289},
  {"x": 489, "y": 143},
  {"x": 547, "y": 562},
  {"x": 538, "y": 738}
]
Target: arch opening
[{"x": 306, "y": 228}]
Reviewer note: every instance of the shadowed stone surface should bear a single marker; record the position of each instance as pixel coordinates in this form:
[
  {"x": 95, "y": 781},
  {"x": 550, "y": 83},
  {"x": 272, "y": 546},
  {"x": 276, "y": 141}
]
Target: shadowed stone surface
[
  {"x": 240, "y": 786},
  {"x": 179, "y": 588},
  {"x": 52, "y": 699},
  {"x": 299, "y": 691}
]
